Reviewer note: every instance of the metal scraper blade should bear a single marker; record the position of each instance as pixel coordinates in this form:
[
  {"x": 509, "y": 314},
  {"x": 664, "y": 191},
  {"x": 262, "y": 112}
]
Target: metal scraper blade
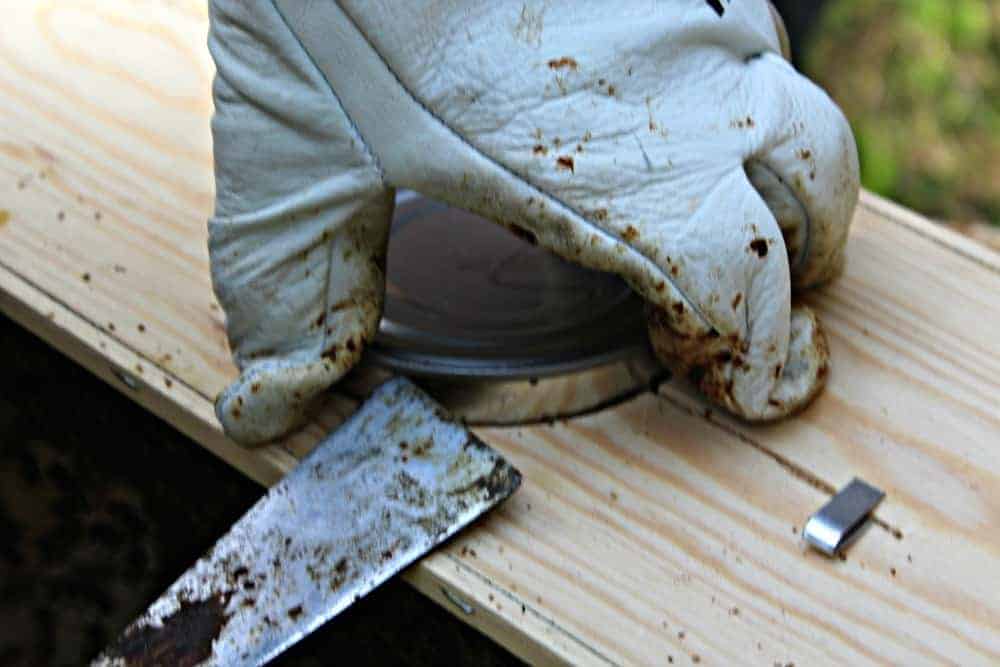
[{"x": 394, "y": 481}]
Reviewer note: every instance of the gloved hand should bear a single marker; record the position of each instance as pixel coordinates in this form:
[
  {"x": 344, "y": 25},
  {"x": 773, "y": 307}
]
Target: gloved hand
[{"x": 667, "y": 142}]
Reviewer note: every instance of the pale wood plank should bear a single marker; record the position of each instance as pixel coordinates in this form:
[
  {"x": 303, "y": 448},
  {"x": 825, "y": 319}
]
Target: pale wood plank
[
  {"x": 105, "y": 110},
  {"x": 700, "y": 525}
]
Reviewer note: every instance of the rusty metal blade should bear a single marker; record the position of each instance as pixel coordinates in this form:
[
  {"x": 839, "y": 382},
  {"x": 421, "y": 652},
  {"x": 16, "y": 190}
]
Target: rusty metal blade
[{"x": 395, "y": 480}]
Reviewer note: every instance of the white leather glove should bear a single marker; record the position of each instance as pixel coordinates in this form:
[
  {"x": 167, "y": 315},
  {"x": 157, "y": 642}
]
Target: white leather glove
[{"x": 668, "y": 142}]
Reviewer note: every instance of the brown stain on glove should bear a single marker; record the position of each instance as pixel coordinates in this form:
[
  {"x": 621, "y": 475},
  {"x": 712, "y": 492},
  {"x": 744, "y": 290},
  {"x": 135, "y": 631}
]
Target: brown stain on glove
[{"x": 710, "y": 361}]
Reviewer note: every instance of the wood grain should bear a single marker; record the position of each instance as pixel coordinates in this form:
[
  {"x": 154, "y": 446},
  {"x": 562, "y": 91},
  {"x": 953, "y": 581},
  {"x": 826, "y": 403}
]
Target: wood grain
[{"x": 652, "y": 532}]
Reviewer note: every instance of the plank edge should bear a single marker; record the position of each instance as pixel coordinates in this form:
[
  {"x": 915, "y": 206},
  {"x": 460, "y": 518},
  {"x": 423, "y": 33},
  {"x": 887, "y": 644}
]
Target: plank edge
[
  {"x": 537, "y": 639},
  {"x": 938, "y": 233},
  {"x": 152, "y": 387},
  {"x": 476, "y": 600}
]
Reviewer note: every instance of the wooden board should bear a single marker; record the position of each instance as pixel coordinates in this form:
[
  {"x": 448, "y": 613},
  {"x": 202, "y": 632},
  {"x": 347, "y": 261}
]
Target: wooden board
[{"x": 653, "y": 532}]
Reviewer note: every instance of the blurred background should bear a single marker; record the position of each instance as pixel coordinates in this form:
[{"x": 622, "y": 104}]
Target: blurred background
[
  {"x": 919, "y": 81},
  {"x": 102, "y": 505}
]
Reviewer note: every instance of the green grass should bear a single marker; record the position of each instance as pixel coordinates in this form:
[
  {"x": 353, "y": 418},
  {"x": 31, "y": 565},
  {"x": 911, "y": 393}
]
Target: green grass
[{"x": 920, "y": 82}]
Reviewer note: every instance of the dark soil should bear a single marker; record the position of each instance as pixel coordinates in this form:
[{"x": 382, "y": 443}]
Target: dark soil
[{"x": 103, "y": 505}]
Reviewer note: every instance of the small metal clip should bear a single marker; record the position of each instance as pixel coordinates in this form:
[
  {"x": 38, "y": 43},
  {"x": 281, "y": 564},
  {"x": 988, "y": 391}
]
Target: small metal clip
[
  {"x": 838, "y": 522},
  {"x": 466, "y": 608},
  {"x": 127, "y": 379}
]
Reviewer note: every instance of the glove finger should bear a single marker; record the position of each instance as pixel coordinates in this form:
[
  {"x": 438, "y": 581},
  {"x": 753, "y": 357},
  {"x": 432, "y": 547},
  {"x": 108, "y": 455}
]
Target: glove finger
[
  {"x": 298, "y": 238},
  {"x": 808, "y": 173},
  {"x": 746, "y": 363}
]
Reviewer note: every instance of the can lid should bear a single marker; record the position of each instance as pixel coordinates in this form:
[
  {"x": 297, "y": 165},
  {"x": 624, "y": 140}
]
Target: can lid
[{"x": 466, "y": 298}]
